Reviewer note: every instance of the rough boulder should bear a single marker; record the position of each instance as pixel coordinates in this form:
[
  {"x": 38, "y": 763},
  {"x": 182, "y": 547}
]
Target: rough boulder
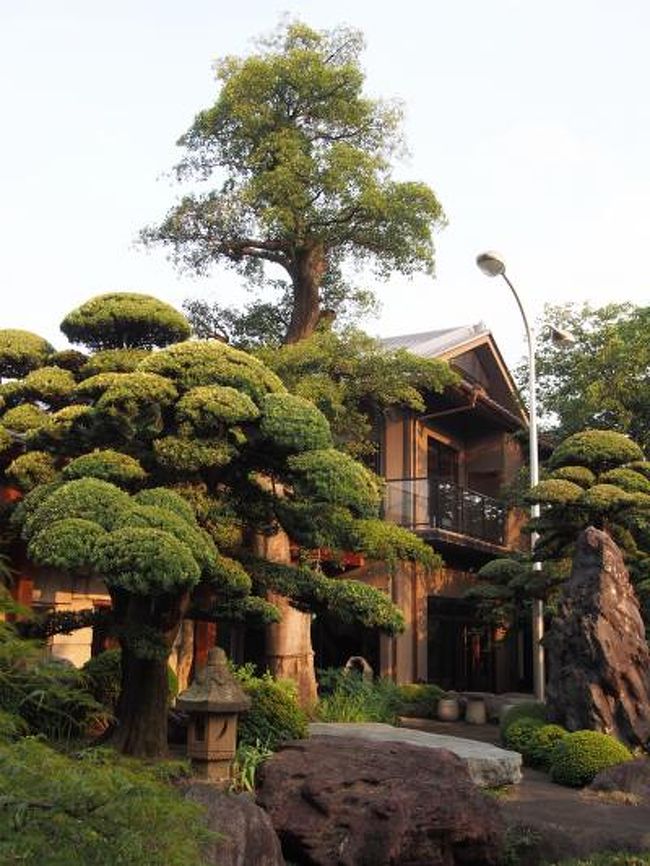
[
  {"x": 598, "y": 658},
  {"x": 337, "y": 803}
]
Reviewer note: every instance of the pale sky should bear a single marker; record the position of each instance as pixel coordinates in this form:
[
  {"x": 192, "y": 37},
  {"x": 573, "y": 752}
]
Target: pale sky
[{"x": 530, "y": 120}]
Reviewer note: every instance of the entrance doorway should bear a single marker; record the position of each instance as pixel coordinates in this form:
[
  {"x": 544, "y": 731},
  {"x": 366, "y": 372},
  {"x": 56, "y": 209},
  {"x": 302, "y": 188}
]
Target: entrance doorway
[{"x": 460, "y": 647}]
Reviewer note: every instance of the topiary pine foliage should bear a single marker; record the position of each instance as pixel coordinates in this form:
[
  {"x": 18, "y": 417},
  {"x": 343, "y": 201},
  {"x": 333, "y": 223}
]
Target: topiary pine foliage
[
  {"x": 125, "y": 320},
  {"x": 596, "y": 477},
  {"x": 218, "y": 427},
  {"x": 580, "y": 756},
  {"x": 21, "y": 352}
]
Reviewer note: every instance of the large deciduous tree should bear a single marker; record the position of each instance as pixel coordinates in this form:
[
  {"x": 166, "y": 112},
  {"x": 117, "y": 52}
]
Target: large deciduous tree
[
  {"x": 298, "y": 161},
  {"x": 152, "y": 469}
]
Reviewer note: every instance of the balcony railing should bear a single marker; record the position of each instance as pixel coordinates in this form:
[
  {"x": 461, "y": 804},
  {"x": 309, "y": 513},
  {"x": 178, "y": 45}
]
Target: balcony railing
[{"x": 431, "y": 503}]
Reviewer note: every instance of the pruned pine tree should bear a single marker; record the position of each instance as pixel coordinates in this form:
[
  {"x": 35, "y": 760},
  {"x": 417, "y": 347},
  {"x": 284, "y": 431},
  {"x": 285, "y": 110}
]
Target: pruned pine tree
[{"x": 151, "y": 469}]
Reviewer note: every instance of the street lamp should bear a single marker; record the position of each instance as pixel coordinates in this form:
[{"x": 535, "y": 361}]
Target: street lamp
[{"x": 493, "y": 265}]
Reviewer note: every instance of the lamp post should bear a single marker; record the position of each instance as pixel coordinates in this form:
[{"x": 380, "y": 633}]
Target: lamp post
[{"x": 492, "y": 265}]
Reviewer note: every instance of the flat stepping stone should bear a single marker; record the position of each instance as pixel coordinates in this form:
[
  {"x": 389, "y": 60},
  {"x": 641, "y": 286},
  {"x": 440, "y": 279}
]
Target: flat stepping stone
[{"x": 489, "y": 766}]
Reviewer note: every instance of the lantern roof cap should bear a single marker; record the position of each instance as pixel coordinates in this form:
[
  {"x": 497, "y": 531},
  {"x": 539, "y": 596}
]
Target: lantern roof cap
[{"x": 214, "y": 689}]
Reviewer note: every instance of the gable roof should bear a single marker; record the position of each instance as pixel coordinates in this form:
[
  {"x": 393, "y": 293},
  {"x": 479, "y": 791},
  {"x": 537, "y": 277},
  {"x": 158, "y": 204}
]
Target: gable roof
[
  {"x": 432, "y": 344},
  {"x": 455, "y": 345}
]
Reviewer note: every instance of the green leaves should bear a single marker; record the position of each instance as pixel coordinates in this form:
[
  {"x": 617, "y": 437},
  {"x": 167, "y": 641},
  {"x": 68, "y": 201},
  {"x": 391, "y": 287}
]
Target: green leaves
[
  {"x": 335, "y": 478},
  {"x": 123, "y": 319},
  {"x": 20, "y": 352}
]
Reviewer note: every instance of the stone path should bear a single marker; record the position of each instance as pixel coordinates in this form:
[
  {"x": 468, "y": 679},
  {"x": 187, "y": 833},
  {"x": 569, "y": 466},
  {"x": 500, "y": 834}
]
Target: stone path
[{"x": 489, "y": 766}]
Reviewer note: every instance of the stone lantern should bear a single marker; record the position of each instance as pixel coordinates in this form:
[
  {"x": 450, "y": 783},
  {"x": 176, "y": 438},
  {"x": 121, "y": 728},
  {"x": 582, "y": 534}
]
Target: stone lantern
[{"x": 213, "y": 702}]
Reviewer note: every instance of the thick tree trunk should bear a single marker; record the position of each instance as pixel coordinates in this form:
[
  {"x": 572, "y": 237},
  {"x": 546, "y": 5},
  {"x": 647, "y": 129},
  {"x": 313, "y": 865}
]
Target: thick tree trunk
[
  {"x": 141, "y": 728},
  {"x": 289, "y": 653},
  {"x": 307, "y": 274},
  {"x": 142, "y": 711}
]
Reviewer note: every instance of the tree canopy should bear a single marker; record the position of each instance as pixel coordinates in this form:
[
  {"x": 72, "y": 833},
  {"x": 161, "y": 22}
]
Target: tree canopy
[
  {"x": 148, "y": 478},
  {"x": 302, "y": 162},
  {"x": 603, "y": 380}
]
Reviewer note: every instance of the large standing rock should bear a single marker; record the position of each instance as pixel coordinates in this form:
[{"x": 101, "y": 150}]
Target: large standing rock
[
  {"x": 246, "y": 836},
  {"x": 598, "y": 658},
  {"x": 338, "y": 803}
]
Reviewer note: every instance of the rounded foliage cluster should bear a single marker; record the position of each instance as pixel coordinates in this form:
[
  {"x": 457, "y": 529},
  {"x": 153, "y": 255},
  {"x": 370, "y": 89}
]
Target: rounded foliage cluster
[
  {"x": 28, "y": 470},
  {"x": 597, "y": 449},
  {"x": 113, "y": 361},
  {"x": 162, "y": 497},
  {"x": 51, "y": 385},
  {"x": 181, "y": 454},
  {"x": 542, "y": 745},
  {"x": 194, "y": 364},
  {"x": 20, "y": 352},
  {"x": 627, "y": 479},
  {"x": 109, "y": 465},
  {"x": 68, "y": 545},
  {"x": 579, "y": 475},
  {"x": 124, "y": 319},
  {"x": 555, "y": 491},
  {"x": 68, "y": 359},
  {"x": 294, "y": 424},
  {"x": 603, "y": 497},
  {"x": 580, "y": 756},
  {"x": 88, "y": 498},
  {"x": 6, "y": 440},
  {"x": 519, "y": 734},
  {"x": 24, "y": 418},
  {"x": 146, "y": 561},
  {"x": 335, "y": 478},
  {"x": 208, "y": 408},
  {"x": 274, "y": 715}
]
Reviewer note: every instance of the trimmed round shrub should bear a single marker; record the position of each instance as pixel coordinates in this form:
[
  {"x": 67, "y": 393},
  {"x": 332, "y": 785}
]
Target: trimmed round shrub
[
  {"x": 604, "y": 497},
  {"x": 23, "y": 418},
  {"x": 294, "y": 424},
  {"x": 109, "y": 465},
  {"x": 209, "y": 362},
  {"x": 554, "y": 491},
  {"x": 125, "y": 319},
  {"x": 333, "y": 477},
  {"x": 179, "y": 454},
  {"x": 68, "y": 545},
  {"x": 628, "y": 479},
  {"x": 519, "y": 735},
  {"x": 126, "y": 390},
  {"x": 275, "y": 714},
  {"x": 113, "y": 361},
  {"x": 208, "y": 408},
  {"x": 146, "y": 561},
  {"x": 103, "y": 675},
  {"x": 68, "y": 359},
  {"x": 28, "y": 470},
  {"x": 542, "y": 744},
  {"x": 418, "y": 700},
  {"x": 20, "y": 352},
  {"x": 52, "y": 385},
  {"x": 580, "y": 756},
  {"x": 88, "y": 498},
  {"x": 524, "y": 710},
  {"x": 162, "y": 497},
  {"x": 597, "y": 449},
  {"x": 579, "y": 475}
]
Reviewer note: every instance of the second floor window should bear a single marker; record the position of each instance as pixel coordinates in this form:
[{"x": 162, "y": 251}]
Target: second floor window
[{"x": 442, "y": 461}]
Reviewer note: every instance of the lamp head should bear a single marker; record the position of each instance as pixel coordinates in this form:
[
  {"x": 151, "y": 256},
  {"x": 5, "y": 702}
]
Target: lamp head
[
  {"x": 560, "y": 337},
  {"x": 491, "y": 264}
]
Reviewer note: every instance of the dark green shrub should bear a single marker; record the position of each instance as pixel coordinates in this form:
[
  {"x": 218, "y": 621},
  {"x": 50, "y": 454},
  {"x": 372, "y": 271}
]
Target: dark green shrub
[
  {"x": 520, "y": 733},
  {"x": 524, "y": 710},
  {"x": 542, "y": 744},
  {"x": 103, "y": 675},
  {"x": 418, "y": 700},
  {"x": 610, "y": 858},
  {"x": 275, "y": 714},
  {"x": 92, "y": 808},
  {"x": 581, "y": 755}
]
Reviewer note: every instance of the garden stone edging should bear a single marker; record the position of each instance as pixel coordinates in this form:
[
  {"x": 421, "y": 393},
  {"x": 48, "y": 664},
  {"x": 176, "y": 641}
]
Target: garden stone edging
[{"x": 489, "y": 766}]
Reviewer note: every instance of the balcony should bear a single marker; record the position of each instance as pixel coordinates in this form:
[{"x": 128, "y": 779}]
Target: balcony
[{"x": 433, "y": 504}]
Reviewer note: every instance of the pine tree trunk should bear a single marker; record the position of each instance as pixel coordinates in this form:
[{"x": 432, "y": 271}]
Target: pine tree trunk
[
  {"x": 141, "y": 727},
  {"x": 306, "y": 275},
  {"x": 289, "y": 653},
  {"x": 142, "y": 711}
]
